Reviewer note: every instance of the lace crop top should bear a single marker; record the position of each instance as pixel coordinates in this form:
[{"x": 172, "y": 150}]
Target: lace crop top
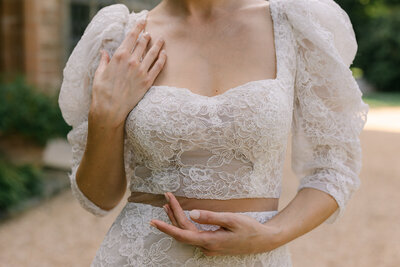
[{"x": 233, "y": 145}]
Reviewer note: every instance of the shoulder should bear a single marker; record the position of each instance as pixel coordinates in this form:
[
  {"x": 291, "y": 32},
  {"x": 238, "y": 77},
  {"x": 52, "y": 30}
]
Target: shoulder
[
  {"x": 324, "y": 12},
  {"x": 112, "y": 14},
  {"x": 111, "y": 10},
  {"x": 112, "y": 17},
  {"x": 321, "y": 22}
]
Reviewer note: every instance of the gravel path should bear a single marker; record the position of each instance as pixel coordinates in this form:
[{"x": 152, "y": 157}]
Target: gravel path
[{"x": 61, "y": 233}]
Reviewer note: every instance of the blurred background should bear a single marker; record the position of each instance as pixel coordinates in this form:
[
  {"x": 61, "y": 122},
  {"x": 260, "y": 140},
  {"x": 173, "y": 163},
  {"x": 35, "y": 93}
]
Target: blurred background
[{"x": 41, "y": 224}]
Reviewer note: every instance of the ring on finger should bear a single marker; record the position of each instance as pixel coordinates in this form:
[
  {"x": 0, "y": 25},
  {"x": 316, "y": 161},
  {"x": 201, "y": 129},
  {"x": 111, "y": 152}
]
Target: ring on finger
[{"x": 132, "y": 50}]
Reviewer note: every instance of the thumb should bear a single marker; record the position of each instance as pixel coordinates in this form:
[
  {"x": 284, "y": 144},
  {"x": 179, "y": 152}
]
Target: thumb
[
  {"x": 104, "y": 59},
  {"x": 223, "y": 219}
]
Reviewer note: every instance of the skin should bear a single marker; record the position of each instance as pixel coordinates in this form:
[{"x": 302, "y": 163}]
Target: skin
[{"x": 213, "y": 45}]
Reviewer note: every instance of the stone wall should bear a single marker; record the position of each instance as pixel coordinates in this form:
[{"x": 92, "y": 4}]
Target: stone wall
[
  {"x": 43, "y": 42},
  {"x": 11, "y": 36},
  {"x": 35, "y": 36}
]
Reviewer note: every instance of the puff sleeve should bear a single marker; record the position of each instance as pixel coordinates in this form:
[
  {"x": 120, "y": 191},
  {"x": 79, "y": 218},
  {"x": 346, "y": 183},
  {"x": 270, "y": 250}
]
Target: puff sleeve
[
  {"x": 328, "y": 111},
  {"x": 106, "y": 31}
]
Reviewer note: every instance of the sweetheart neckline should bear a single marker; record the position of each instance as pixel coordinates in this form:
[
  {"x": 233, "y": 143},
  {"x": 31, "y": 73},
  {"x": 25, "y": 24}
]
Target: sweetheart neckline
[
  {"x": 232, "y": 89},
  {"x": 276, "y": 37}
]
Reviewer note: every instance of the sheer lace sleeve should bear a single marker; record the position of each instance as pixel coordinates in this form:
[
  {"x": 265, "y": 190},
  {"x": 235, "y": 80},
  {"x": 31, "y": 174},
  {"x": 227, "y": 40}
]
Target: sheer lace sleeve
[
  {"x": 329, "y": 113},
  {"x": 105, "y": 31}
]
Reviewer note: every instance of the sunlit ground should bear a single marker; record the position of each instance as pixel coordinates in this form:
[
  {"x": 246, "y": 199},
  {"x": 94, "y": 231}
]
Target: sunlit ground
[{"x": 61, "y": 233}]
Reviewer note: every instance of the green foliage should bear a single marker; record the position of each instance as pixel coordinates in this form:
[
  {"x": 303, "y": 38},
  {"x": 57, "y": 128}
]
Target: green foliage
[
  {"x": 380, "y": 47},
  {"x": 30, "y": 113},
  {"x": 377, "y": 27},
  {"x": 18, "y": 183}
]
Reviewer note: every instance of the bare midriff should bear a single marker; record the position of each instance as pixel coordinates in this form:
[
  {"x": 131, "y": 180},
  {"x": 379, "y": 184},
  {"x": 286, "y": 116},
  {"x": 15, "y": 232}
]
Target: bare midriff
[{"x": 230, "y": 205}]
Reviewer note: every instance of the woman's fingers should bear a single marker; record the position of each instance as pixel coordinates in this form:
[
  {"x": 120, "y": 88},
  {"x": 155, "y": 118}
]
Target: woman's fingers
[
  {"x": 171, "y": 215},
  {"x": 182, "y": 235},
  {"x": 177, "y": 210},
  {"x": 158, "y": 66},
  {"x": 224, "y": 219},
  {"x": 130, "y": 40},
  {"x": 104, "y": 59},
  {"x": 152, "y": 54},
  {"x": 149, "y": 64},
  {"x": 139, "y": 49},
  {"x": 181, "y": 218}
]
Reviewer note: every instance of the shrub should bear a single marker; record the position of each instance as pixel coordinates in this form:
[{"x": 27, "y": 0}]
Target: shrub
[
  {"x": 26, "y": 111},
  {"x": 377, "y": 26},
  {"x": 380, "y": 48},
  {"x": 18, "y": 183}
]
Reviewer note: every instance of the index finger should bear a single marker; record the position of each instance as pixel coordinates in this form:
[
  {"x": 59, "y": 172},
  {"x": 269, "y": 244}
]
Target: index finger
[
  {"x": 228, "y": 220},
  {"x": 130, "y": 40}
]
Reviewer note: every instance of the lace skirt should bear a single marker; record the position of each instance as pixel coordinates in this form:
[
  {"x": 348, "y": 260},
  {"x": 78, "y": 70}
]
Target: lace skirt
[{"x": 131, "y": 241}]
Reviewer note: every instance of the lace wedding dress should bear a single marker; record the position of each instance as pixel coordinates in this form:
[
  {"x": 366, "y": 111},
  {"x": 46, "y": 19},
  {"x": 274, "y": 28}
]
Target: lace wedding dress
[{"x": 231, "y": 145}]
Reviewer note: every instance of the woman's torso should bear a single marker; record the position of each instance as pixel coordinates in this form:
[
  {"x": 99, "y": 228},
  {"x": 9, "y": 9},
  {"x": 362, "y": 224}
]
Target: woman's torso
[{"x": 191, "y": 134}]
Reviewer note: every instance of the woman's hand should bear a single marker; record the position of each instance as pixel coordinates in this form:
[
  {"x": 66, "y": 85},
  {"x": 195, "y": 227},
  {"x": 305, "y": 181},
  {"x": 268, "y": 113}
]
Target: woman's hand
[
  {"x": 120, "y": 83},
  {"x": 238, "y": 233}
]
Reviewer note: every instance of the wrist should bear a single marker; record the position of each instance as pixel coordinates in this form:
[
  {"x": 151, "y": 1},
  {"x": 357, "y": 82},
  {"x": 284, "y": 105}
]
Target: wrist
[
  {"x": 106, "y": 119},
  {"x": 272, "y": 236}
]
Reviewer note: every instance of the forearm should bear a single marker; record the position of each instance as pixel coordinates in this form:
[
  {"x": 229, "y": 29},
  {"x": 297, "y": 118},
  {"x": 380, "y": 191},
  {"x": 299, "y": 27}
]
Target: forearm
[
  {"x": 101, "y": 173},
  {"x": 307, "y": 210}
]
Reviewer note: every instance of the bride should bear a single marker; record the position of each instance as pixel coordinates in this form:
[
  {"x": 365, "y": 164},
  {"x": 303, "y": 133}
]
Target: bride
[{"x": 199, "y": 138}]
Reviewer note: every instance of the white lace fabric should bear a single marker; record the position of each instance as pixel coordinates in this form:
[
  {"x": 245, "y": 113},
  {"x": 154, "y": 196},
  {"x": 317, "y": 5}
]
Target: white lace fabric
[
  {"x": 233, "y": 145},
  {"x": 131, "y": 241}
]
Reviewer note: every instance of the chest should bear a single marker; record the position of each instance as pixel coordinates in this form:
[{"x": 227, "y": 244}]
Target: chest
[{"x": 209, "y": 59}]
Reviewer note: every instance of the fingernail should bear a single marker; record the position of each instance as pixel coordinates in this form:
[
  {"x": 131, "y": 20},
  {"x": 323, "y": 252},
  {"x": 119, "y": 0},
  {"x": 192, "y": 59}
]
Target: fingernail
[
  {"x": 165, "y": 208},
  {"x": 166, "y": 197},
  {"x": 195, "y": 214},
  {"x": 152, "y": 224}
]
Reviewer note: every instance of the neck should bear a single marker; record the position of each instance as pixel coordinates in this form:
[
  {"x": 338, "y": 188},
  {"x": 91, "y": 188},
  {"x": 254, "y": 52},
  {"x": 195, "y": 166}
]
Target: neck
[{"x": 201, "y": 9}]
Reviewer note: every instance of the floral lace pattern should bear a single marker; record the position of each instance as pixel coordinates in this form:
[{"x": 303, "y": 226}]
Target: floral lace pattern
[
  {"x": 131, "y": 241},
  {"x": 233, "y": 145}
]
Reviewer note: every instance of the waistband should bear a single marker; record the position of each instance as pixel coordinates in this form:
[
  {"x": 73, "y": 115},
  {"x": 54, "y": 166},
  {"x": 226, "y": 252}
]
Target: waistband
[{"x": 228, "y": 205}]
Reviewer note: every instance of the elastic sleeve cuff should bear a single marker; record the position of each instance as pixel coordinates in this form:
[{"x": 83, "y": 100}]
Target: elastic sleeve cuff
[{"x": 334, "y": 183}]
